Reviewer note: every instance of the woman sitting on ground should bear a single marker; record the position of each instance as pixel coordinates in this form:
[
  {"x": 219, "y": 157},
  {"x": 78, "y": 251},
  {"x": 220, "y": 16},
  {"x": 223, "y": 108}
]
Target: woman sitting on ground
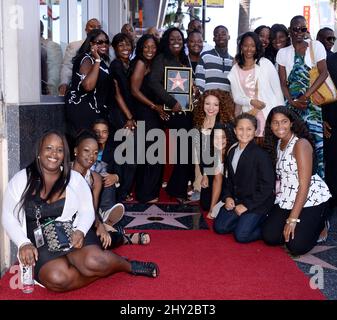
[
  {"x": 213, "y": 109},
  {"x": 60, "y": 193},
  {"x": 301, "y": 199},
  {"x": 86, "y": 151},
  {"x": 248, "y": 190}
]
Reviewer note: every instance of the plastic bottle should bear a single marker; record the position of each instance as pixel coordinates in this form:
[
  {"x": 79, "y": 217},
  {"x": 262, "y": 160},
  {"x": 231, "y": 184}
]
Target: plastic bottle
[{"x": 27, "y": 279}]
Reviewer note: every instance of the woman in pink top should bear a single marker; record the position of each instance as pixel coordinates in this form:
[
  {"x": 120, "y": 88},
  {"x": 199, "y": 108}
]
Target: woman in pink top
[{"x": 255, "y": 84}]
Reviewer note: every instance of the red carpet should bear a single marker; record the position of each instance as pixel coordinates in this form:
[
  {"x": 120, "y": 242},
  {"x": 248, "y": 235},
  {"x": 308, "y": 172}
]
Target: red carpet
[{"x": 196, "y": 265}]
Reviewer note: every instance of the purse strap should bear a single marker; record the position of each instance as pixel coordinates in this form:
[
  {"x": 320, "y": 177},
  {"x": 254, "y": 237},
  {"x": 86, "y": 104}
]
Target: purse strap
[{"x": 312, "y": 55}]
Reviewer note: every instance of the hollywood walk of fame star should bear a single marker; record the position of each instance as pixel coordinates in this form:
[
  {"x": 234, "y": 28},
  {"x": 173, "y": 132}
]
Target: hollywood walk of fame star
[
  {"x": 309, "y": 258},
  {"x": 178, "y": 82},
  {"x": 154, "y": 214}
]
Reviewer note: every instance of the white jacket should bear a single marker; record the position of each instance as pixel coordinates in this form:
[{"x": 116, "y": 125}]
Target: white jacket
[
  {"x": 78, "y": 200},
  {"x": 269, "y": 87}
]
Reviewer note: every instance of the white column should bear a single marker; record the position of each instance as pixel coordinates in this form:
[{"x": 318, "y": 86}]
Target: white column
[
  {"x": 94, "y": 9},
  {"x": 118, "y": 15},
  {"x": 21, "y": 51},
  {"x": 4, "y": 240}
]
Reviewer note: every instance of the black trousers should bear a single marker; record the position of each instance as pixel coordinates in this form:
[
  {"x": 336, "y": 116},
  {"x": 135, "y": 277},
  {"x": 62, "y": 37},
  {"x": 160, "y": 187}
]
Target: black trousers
[
  {"x": 307, "y": 230},
  {"x": 330, "y": 156},
  {"x": 181, "y": 173},
  {"x": 128, "y": 169}
]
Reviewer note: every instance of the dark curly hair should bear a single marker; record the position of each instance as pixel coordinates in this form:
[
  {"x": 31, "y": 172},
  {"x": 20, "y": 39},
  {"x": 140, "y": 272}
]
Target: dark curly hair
[
  {"x": 271, "y": 52},
  {"x": 258, "y": 45},
  {"x": 120, "y": 37},
  {"x": 298, "y": 127},
  {"x": 226, "y": 108},
  {"x": 165, "y": 43},
  {"x": 139, "y": 51}
]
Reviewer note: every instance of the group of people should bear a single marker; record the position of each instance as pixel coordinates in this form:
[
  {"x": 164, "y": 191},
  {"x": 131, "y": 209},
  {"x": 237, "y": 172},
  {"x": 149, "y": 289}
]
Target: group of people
[{"x": 255, "y": 159}]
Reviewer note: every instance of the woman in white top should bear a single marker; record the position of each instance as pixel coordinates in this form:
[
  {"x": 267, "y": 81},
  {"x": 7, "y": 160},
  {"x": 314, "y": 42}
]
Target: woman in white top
[
  {"x": 49, "y": 190},
  {"x": 298, "y": 215},
  {"x": 294, "y": 65},
  {"x": 255, "y": 84}
]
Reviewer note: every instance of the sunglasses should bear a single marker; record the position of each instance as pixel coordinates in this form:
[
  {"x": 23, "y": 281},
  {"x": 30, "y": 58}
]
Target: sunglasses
[
  {"x": 299, "y": 29},
  {"x": 100, "y": 42},
  {"x": 331, "y": 39}
]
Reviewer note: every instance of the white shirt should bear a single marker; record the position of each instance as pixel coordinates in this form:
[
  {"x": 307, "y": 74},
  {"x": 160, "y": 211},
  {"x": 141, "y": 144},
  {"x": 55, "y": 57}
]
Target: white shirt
[
  {"x": 268, "y": 87},
  {"x": 285, "y": 56},
  {"x": 287, "y": 173},
  {"x": 78, "y": 200}
]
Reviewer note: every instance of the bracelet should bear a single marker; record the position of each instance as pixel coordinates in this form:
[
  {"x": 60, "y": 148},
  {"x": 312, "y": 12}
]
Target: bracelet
[
  {"x": 292, "y": 221},
  {"x": 153, "y": 106},
  {"x": 98, "y": 60},
  {"x": 131, "y": 119}
]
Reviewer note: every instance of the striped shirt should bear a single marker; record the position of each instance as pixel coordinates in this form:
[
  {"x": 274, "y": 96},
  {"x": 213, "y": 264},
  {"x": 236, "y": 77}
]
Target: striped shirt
[{"x": 212, "y": 71}]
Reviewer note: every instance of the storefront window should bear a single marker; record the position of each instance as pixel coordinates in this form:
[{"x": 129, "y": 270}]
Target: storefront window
[{"x": 61, "y": 23}]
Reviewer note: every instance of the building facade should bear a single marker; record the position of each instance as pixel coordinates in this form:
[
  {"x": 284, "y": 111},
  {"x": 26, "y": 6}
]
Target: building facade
[{"x": 24, "y": 111}]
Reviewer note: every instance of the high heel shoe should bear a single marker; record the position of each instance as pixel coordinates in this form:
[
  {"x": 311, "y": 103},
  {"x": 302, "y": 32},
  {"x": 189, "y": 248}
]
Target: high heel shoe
[{"x": 324, "y": 233}]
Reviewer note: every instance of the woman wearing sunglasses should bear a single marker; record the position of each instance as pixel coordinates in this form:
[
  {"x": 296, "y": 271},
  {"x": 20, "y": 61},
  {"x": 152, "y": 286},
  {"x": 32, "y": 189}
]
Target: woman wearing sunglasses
[
  {"x": 90, "y": 86},
  {"x": 294, "y": 65}
]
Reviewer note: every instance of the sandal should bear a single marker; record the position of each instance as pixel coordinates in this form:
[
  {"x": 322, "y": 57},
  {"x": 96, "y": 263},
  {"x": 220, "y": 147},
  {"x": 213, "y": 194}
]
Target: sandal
[
  {"x": 129, "y": 198},
  {"x": 148, "y": 269},
  {"x": 143, "y": 238}
]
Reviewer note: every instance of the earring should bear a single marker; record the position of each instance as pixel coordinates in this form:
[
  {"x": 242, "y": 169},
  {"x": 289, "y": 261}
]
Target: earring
[
  {"x": 38, "y": 157},
  {"x": 61, "y": 167},
  {"x": 75, "y": 154}
]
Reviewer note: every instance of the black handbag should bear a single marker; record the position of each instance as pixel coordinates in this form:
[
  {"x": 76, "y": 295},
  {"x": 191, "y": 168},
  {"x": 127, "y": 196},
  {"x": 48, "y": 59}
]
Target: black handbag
[{"x": 58, "y": 235}]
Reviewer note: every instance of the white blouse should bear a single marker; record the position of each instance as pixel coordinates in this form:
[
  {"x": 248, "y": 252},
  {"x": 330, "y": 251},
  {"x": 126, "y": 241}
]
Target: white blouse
[
  {"x": 285, "y": 56},
  {"x": 287, "y": 174},
  {"x": 268, "y": 87},
  {"x": 78, "y": 201}
]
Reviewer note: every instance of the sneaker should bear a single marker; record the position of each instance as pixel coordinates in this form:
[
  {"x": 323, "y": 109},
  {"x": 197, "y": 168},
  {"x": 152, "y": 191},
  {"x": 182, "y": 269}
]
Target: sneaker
[{"x": 114, "y": 214}]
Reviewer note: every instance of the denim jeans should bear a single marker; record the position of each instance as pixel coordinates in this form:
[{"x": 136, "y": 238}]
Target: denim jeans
[
  {"x": 246, "y": 228},
  {"x": 108, "y": 198}
]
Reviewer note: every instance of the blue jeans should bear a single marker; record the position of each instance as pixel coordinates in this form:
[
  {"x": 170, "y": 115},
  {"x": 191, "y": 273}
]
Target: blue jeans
[
  {"x": 108, "y": 197},
  {"x": 246, "y": 228}
]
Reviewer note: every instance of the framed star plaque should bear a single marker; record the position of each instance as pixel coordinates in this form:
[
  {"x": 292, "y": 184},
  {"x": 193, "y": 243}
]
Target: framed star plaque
[{"x": 178, "y": 83}]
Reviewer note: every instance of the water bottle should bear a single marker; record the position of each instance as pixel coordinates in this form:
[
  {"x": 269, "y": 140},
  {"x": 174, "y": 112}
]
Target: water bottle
[{"x": 27, "y": 279}]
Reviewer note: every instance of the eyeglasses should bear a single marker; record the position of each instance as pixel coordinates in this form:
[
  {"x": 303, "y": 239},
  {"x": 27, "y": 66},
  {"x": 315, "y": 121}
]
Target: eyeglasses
[
  {"x": 100, "y": 42},
  {"x": 331, "y": 39},
  {"x": 299, "y": 29}
]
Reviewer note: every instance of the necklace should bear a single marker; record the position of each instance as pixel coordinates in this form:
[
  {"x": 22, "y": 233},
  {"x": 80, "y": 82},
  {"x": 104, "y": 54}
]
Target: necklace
[
  {"x": 286, "y": 146},
  {"x": 223, "y": 60}
]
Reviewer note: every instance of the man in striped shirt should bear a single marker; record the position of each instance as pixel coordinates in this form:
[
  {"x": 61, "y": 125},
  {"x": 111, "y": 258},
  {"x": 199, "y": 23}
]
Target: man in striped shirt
[{"x": 214, "y": 65}]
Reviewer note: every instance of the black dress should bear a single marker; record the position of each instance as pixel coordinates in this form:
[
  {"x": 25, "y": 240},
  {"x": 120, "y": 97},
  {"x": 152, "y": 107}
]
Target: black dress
[
  {"x": 181, "y": 173},
  {"x": 118, "y": 120},
  {"x": 49, "y": 211},
  {"x": 84, "y": 107},
  {"x": 149, "y": 176}
]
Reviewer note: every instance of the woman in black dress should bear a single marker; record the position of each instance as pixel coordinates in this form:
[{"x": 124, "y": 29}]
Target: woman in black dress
[
  {"x": 148, "y": 180},
  {"x": 122, "y": 112},
  {"x": 172, "y": 54},
  {"x": 87, "y": 98}
]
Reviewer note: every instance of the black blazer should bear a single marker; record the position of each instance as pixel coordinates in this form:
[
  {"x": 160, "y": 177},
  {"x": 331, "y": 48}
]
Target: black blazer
[{"x": 254, "y": 181}]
